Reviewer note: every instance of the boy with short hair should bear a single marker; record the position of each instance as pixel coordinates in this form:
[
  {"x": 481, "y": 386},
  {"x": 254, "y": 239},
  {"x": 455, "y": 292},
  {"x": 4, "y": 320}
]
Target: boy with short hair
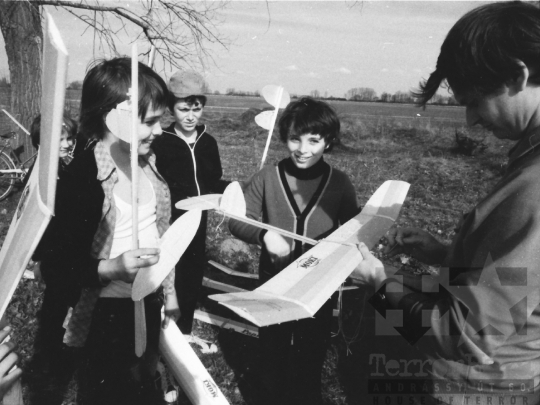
[
  {"x": 188, "y": 159},
  {"x": 304, "y": 195}
]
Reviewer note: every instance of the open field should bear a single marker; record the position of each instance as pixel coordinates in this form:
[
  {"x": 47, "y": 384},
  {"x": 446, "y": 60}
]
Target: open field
[
  {"x": 454, "y": 113},
  {"x": 443, "y": 185}
]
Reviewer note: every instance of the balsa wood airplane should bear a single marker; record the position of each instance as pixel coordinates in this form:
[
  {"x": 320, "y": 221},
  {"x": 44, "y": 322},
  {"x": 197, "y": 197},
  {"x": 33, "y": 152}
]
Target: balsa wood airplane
[
  {"x": 187, "y": 369},
  {"x": 300, "y": 289},
  {"x": 36, "y": 205}
]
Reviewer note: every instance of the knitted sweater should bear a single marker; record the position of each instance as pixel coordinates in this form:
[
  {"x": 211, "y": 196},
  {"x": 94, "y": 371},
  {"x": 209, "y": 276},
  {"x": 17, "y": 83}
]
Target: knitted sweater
[{"x": 269, "y": 195}]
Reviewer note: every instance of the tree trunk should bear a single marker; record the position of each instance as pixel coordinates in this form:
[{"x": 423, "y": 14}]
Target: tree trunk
[{"x": 20, "y": 23}]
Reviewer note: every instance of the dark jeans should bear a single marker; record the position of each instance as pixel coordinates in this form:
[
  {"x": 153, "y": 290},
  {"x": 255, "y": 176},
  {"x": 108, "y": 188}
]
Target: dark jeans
[
  {"x": 53, "y": 364},
  {"x": 290, "y": 373},
  {"x": 189, "y": 276},
  {"x": 109, "y": 377}
]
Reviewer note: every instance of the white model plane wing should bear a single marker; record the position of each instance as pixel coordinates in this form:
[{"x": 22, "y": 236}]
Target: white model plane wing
[
  {"x": 172, "y": 246},
  {"x": 36, "y": 205},
  {"x": 300, "y": 289}
]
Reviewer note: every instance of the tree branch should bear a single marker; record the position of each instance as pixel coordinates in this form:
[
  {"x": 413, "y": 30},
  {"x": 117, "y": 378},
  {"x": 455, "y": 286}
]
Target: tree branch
[{"x": 180, "y": 31}]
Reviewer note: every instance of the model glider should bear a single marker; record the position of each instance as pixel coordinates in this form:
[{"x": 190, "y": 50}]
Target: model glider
[
  {"x": 123, "y": 121},
  {"x": 278, "y": 98},
  {"x": 187, "y": 369},
  {"x": 300, "y": 289},
  {"x": 36, "y": 205}
]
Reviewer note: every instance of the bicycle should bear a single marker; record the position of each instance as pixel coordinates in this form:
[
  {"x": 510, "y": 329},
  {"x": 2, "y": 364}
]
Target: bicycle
[{"x": 12, "y": 170}]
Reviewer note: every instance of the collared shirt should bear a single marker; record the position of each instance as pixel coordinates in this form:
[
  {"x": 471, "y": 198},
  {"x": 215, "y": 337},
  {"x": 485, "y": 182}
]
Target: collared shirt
[
  {"x": 79, "y": 323},
  {"x": 523, "y": 147}
]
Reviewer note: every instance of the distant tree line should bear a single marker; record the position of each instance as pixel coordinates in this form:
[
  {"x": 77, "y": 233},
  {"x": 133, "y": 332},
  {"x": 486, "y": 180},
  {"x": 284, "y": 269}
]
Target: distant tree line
[{"x": 369, "y": 94}]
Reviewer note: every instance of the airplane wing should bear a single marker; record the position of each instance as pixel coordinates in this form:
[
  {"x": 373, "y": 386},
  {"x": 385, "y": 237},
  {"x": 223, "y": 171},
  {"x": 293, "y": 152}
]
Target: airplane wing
[
  {"x": 300, "y": 289},
  {"x": 36, "y": 205},
  {"x": 173, "y": 244},
  {"x": 187, "y": 369},
  {"x": 203, "y": 202}
]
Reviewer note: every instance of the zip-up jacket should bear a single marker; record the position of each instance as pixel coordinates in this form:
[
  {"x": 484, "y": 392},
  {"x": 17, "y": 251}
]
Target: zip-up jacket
[{"x": 189, "y": 171}]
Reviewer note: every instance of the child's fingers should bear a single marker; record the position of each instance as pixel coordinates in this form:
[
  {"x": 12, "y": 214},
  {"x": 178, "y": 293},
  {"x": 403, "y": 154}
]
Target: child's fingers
[
  {"x": 146, "y": 252},
  {"x": 148, "y": 261},
  {"x": 5, "y": 349},
  {"x": 10, "y": 379},
  {"x": 7, "y": 363},
  {"x": 4, "y": 333}
]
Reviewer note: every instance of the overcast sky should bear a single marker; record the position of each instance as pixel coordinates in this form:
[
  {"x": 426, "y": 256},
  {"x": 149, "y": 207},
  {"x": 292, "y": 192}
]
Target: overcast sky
[{"x": 329, "y": 46}]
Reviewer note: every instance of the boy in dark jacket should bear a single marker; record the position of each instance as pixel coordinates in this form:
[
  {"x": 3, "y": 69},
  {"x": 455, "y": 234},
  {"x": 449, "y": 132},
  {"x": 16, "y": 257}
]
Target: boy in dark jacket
[{"x": 188, "y": 159}]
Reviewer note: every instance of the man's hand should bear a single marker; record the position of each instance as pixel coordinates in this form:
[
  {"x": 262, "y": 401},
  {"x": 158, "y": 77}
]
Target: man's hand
[
  {"x": 416, "y": 243},
  {"x": 370, "y": 271}
]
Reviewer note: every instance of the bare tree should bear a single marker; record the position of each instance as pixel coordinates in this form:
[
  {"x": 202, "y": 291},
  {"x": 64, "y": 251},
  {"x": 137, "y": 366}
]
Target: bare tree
[{"x": 180, "y": 32}]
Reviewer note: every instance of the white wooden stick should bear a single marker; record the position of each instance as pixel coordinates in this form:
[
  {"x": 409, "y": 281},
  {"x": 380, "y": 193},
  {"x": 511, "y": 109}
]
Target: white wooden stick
[
  {"x": 272, "y": 228},
  {"x": 140, "y": 319},
  {"x": 16, "y": 122},
  {"x": 225, "y": 269},
  {"x": 274, "y": 117},
  {"x": 152, "y": 56}
]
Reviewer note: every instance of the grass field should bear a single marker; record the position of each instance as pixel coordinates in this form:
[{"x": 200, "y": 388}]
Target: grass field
[{"x": 443, "y": 185}]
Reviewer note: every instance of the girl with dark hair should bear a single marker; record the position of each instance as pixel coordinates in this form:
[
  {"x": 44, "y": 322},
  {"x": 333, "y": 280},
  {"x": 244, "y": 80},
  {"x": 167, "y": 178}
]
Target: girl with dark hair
[
  {"x": 304, "y": 195},
  {"x": 89, "y": 244}
]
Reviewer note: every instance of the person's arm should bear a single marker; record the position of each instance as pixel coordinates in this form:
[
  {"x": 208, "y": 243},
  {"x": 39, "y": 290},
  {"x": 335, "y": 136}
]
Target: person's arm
[
  {"x": 66, "y": 249},
  {"x": 254, "y": 196},
  {"x": 416, "y": 243},
  {"x": 277, "y": 247},
  {"x": 405, "y": 292},
  {"x": 215, "y": 171},
  {"x": 496, "y": 289}
]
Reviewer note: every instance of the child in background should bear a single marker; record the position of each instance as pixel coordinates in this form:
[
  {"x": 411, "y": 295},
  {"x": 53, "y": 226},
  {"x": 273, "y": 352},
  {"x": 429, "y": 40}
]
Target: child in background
[
  {"x": 188, "y": 159},
  {"x": 68, "y": 138},
  {"x": 89, "y": 250},
  {"x": 49, "y": 364},
  {"x": 304, "y": 195}
]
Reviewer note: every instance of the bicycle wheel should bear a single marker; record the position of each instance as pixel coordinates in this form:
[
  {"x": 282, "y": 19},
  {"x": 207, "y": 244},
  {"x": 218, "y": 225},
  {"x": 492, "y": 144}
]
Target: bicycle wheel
[{"x": 7, "y": 180}]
